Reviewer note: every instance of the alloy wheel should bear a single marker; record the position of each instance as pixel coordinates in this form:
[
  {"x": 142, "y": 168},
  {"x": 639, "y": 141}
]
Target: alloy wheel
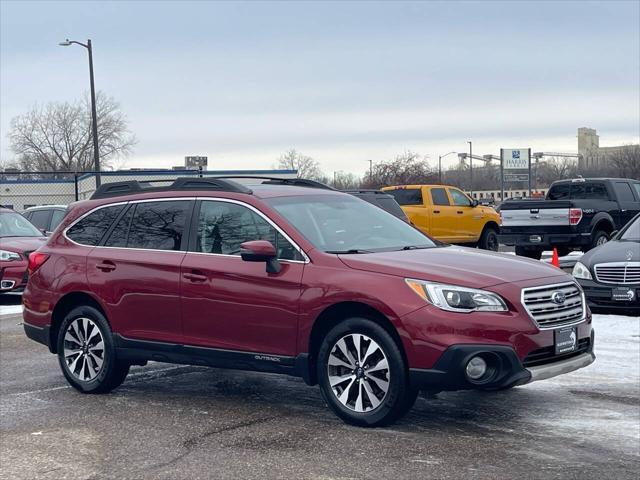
[
  {"x": 84, "y": 349},
  {"x": 601, "y": 241},
  {"x": 358, "y": 372}
]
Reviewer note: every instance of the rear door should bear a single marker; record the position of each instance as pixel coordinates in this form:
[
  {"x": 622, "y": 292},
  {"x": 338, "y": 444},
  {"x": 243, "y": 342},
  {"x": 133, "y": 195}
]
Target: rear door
[
  {"x": 41, "y": 219},
  {"x": 231, "y": 304},
  {"x": 136, "y": 269},
  {"x": 442, "y": 214}
]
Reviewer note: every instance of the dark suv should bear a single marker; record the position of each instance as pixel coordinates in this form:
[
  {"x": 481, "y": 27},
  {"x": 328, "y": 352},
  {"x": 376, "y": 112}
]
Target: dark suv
[{"x": 296, "y": 280}]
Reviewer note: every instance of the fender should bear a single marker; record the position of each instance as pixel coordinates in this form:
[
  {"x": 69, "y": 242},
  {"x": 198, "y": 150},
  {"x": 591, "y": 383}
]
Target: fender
[{"x": 601, "y": 217}]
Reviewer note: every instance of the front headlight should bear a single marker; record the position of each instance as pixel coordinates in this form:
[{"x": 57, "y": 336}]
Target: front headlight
[
  {"x": 6, "y": 256},
  {"x": 581, "y": 271},
  {"x": 457, "y": 299}
]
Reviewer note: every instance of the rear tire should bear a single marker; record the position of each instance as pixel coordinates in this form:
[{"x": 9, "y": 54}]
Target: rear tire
[
  {"x": 362, "y": 374},
  {"x": 86, "y": 352},
  {"x": 489, "y": 239},
  {"x": 529, "y": 252}
]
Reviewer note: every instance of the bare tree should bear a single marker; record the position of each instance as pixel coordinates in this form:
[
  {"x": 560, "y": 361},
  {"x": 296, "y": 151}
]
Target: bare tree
[
  {"x": 345, "y": 181},
  {"x": 626, "y": 162},
  {"x": 405, "y": 169},
  {"x": 57, "y": 137},
  {"x": 306, "y": 166}
]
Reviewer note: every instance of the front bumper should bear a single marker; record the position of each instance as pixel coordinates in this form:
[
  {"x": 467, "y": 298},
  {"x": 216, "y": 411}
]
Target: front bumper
[
  {"x": 505, "y": 368},
  {"x": 13, "y": 277},
  {"x": 599, "y": 297}
]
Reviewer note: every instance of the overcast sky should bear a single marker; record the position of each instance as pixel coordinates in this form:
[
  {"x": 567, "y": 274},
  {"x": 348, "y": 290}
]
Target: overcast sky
[{"x": 342, "y": 82}]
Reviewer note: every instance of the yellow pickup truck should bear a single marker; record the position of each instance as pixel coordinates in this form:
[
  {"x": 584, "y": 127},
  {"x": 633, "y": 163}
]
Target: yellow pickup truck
[{"x": 448, "y": 214}]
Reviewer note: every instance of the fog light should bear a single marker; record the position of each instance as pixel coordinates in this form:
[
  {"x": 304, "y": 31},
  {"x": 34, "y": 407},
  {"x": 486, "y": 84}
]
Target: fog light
[{"x": 476, "y": 368}]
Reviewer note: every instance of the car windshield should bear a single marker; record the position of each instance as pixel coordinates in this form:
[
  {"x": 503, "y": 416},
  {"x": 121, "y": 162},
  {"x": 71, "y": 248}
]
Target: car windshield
[
  {"x": 632, "y": 232},
  {"x": 345, "y": 224},
  {"x": 15, "y": 225}
]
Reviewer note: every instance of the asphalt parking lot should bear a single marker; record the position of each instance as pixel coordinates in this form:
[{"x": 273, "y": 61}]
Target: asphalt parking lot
[{"x": 183, "y": 422}]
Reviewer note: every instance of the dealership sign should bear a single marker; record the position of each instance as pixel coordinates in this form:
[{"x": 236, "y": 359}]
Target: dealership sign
[{"x": 515, "y": 159}]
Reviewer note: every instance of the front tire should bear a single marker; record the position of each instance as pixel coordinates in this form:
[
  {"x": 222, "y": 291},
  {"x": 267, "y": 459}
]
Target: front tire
[
  {"x": 599, "y": 237},
  {"x": 86, "y": 352},
  {"x": 362, "y": 374}
]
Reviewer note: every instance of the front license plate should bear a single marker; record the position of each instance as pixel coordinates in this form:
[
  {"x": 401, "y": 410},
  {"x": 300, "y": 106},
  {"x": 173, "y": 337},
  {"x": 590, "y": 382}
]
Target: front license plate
[
  {"x": 622, "y": 294},
  {"x": 566, "y": 340}
]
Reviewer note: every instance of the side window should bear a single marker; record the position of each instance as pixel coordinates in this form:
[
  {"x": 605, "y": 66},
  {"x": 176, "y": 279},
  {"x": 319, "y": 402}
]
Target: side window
[
  {"x": 637, "y": 187},
  {"x": 589, "y": 191},
  {"x": 407, "y": 196},
  {"x": 459, "y": 198},
  {"x": 559, "y": 192},
  {"x": 56, "y": 218},
  {"x": 223, "y": 227},
  {"x": 90, "y": 229},
  {"x": 158, "y": 225},
  {"x": 439, "y": 196},
  {"x": 40, "y": 218},
  {"x": 623, "y": 192},
  {"x": 120, "y": 234}
]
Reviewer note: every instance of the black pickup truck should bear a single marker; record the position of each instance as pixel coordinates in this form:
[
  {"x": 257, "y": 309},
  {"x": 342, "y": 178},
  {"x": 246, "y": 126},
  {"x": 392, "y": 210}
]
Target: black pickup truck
[{"x": 576, "y": 214}]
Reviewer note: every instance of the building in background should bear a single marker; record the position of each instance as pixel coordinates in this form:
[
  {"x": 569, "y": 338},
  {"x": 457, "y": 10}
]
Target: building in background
[{"x": 593, "y": 156}]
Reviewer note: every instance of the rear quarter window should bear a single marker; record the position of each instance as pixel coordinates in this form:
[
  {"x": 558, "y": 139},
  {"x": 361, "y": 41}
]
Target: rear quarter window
[
  {"x": 407, "y": 196},
  {"x": 90, "y": 229},
  {"x": 559, "y": 192}
]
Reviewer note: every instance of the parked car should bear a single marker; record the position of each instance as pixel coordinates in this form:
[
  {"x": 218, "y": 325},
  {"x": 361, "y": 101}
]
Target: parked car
[
  {"x": 46, "y": 218},
  {"x": 448, "y": 214},
  {"x": 610, "y": 273},
  {"x": 296, "y": 280},
  {"x": 18, "y": 238},
  {"x": 576, "y": 214},
  {"x": 381, "y": 199}
]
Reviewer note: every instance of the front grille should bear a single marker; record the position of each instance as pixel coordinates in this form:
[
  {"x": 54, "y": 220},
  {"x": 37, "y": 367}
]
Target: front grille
[
  {"x": 618, "y": 272},
  {"x": 546, "y": 313},
  {"x": 546, "y": 355}
]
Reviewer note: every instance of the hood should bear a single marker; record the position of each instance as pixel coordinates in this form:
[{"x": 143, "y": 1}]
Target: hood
[
  {"x": 614, "y": 251},
  {"x": 22, "y": 244},
  {"x": 468, "y": 267}
]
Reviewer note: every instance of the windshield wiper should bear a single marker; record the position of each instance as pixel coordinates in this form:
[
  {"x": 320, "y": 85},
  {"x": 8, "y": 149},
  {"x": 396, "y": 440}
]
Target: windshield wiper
[
  {"x": 415, "y": 247},
  {"x": 350, "y": 251}
]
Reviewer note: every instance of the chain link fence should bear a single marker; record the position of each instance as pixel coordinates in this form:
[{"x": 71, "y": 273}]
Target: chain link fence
[{"x": 22, "y": 190}]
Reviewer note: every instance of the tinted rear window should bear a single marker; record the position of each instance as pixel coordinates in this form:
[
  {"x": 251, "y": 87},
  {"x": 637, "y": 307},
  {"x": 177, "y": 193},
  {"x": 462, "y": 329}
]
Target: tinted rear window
[
  {"x": 559, "y": 192},
  {"x": 90, "y": 230},
  {"x": 389, "y": 204},
  {"x": 439, "y": 196},
  {"x": 56, "y": 218},
  {"x": 407, "y": 196},
  {"x": 40, "y": 218},
  {"x": 589, "y": 191},
  {"x": 158, "y": 225}
]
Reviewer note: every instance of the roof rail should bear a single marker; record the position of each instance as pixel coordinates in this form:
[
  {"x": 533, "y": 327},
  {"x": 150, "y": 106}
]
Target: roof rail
[
  {"x": 131, "y": 187},
  {"x": 366, "y": 190},
  {"x": 295, "y": 182}
]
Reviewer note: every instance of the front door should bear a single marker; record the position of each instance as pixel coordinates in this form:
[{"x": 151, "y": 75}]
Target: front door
[
  {"x": 466, "y": 216},
  {"x": 231, "y": 304}
]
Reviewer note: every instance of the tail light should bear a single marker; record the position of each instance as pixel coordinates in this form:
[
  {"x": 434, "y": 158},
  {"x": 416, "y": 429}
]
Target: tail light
[
  {"x": 575, "y": 215},
  {"x": 36, "y": 260}
]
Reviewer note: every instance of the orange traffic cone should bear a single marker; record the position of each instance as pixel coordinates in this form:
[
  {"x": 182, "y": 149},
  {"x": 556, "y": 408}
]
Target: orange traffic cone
[{"x": 555, "y": 261}]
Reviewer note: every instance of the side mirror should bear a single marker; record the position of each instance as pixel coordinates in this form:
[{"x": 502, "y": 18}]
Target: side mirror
[
  {"x": 261, "y": 251},
  {"x": 474, "y": 203},
  {"x": 613, "y": 234}
]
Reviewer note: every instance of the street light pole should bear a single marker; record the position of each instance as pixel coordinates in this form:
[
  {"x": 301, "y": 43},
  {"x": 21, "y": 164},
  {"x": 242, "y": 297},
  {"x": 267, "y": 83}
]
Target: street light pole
[
  {"x": 440, "y": 157},
  {"x": 370, "y": 171},
  {"x": 471, "y": 166},
  {"x": 94, "y": 114}
]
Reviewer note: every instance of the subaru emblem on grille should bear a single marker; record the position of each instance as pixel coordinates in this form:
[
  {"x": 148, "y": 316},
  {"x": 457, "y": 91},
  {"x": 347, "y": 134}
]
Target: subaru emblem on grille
[{"x": 558, "y": 297}]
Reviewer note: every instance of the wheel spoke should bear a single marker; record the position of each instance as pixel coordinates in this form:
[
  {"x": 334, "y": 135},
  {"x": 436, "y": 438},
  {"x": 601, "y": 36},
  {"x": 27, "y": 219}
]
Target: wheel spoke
[
  {"x": 338, "y": 379},
  {"x": 356, "y": 343},
  {"x": 371, "y": 395},
  {"x": 68, "y": 352},
  {"x": 341, "y": 346},
  {"x": 344, "y": 396},
  {"x": 359, "y": 407},
  {"x": 371, "y": 349},
  {"x": 69, "y": 337},
  {"x": 380, "y": 382},
  {"x": 97, "y": 346},
  {"x": 381, "y": 365}
]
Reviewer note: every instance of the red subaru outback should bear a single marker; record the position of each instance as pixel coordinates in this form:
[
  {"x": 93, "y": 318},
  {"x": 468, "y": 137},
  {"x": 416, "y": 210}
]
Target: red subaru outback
[{"x": 293, "y": 278}]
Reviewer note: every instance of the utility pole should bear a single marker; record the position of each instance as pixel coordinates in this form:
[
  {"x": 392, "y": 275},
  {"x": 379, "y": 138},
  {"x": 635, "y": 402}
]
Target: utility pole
[
  {"x": 371, "y": 171},
  {"x": 471, "y": 166}
]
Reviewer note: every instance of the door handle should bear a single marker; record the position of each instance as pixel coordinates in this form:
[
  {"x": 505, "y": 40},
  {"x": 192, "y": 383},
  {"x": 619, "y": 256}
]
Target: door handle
[
  {"x": 106, "y": 266},
  {"x": 459, "y": 212},
  {"x": 436, "y": 211},
  {"x": 195, "y": 276}
]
